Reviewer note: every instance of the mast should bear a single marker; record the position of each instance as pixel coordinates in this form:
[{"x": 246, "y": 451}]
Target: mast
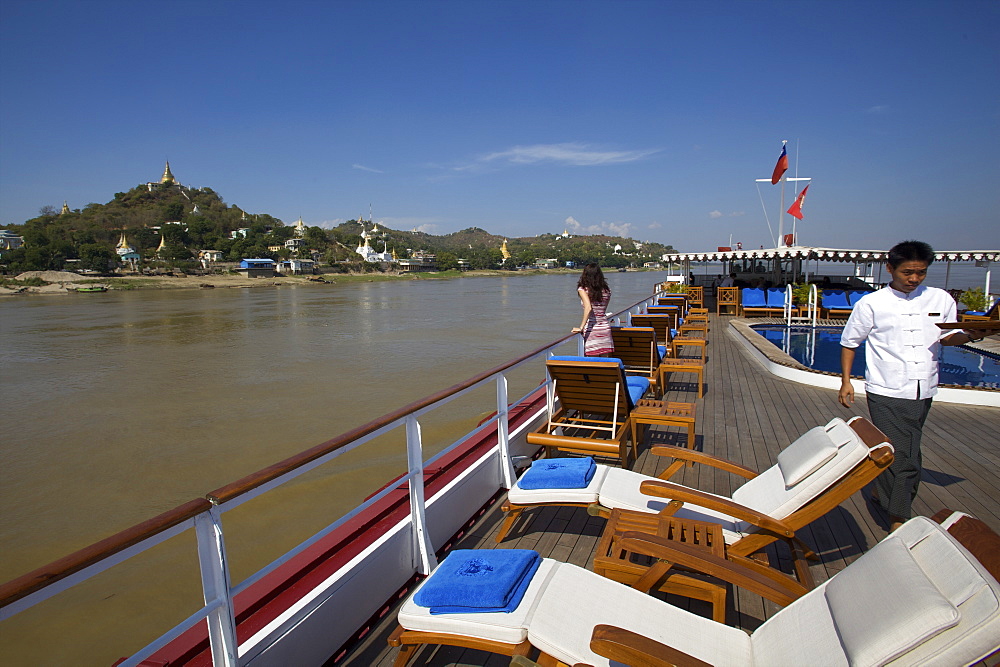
[{"x": 781, "y": 212}]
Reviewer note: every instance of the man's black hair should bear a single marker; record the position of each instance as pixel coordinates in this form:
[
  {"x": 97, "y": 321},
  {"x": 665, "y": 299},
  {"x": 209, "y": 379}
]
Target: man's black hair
[{"x": 909, "y": 251}]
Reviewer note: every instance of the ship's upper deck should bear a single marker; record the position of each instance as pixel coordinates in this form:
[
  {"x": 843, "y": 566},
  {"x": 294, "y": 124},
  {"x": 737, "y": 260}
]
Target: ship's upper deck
[{"x": 748, "y": 416}]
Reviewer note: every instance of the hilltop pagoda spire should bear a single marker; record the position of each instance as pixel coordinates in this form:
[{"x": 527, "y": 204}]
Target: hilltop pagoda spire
[
  {"x": 65, "y": 208},
  {"x": 167, "y": 176}
]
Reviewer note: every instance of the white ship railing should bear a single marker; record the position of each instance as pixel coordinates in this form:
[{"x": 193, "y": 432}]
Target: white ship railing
[{"x": 204, "y": 514}]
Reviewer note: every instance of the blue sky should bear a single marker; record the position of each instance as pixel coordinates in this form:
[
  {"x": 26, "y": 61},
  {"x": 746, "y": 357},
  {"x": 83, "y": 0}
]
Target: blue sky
[{"x": 649, "y": 119}]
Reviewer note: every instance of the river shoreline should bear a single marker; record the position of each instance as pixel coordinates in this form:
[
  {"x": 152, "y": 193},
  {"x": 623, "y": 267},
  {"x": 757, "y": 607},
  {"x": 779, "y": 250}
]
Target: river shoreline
[{"x": 67, "y": 283}]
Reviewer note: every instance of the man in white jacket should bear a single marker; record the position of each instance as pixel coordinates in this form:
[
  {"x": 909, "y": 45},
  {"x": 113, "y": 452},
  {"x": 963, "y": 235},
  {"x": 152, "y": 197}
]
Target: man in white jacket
[{"x": 898, "y": 323}]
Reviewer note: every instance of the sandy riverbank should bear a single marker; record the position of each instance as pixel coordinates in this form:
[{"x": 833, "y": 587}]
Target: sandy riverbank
[{"x": 62, "y": 282}]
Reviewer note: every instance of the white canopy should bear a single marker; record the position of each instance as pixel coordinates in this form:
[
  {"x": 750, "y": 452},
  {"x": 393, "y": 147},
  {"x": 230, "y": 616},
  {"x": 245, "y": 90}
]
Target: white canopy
[{"x": 826, "y": 254}]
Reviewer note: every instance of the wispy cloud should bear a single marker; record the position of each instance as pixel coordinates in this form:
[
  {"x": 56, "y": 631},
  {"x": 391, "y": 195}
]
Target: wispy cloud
[
  {"x": 575, "y": 154},
  {"x": 715, "y": 214},
  {"x": 653, "y": 225},
  {"x": 427, "y": 228},
  {"x": 878, "y": 108},
  {"x": 720, "y": 214},
  {"x": 569, "y": 154},
  {"x": 606, "y": 228},
  {"x": 364, "y": 168}
]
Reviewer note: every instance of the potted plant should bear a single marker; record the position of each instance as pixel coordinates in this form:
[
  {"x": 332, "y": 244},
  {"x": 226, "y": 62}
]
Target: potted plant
[
  {"x": 676, "y": 288},
  {"x": 800, "y": 294},
  {"x": 975, "y": 299}
]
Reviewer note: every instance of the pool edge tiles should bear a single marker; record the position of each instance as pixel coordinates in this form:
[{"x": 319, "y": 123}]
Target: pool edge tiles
[{"x": 784, "y": 366}]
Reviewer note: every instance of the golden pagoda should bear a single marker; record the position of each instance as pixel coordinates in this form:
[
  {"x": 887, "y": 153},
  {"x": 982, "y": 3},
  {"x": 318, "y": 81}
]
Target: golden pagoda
[
  {"x": 65, "y": 208},
  {"x": 168, "y": 178},
  {"x": 504, "y": 251},
  {"x": 123, "y": 243},
  {"x": 163, "y": 244}
]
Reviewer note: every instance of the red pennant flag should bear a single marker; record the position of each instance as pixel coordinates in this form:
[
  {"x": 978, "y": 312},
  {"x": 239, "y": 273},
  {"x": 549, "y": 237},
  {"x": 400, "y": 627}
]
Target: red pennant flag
[
  {"x": 796, "y": 208},
  {"x": 781, "y": 167}
]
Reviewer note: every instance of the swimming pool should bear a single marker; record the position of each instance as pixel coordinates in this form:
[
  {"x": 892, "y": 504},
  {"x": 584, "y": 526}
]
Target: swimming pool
[{"x": 819, "y": 349}]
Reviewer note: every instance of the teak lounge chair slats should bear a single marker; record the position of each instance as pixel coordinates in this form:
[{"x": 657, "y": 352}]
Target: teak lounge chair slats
[
  {"x": 766, "y": 508},
  {"x": 589, "y": 403}
]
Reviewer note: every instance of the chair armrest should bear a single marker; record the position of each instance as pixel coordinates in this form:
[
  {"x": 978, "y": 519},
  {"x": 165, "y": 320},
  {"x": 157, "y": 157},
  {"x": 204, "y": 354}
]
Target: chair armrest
[
  {"x": 685, "y": 494},
  {"x": 756, "y": 578},
  {"x": 703, "y": 458},
  {"x": 632, "y": 648}
]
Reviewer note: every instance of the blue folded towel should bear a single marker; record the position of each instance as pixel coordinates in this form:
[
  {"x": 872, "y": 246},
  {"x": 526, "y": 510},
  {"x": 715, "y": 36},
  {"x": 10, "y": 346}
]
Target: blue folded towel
[
  {"x": 473, "y": 581},
  {"x": 558, "y": 474}
]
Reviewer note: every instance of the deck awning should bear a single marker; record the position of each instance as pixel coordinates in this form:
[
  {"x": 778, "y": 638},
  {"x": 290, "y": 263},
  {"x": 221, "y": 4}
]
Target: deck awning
[{"x": 825, "y": 254}]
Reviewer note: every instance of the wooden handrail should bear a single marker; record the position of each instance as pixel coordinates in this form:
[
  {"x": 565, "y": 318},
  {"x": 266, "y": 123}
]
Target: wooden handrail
[{"x": 26, "y": 584}]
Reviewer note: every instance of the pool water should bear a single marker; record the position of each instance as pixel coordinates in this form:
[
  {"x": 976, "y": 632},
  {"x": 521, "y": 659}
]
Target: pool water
[{"x": 819, "y": 349}]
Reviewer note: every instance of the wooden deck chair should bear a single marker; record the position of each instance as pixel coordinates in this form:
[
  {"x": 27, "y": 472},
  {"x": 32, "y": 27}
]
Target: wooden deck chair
[
  {"x": 589, "y": 401},
  {"x": 725, "y": 298},
  {"x": 815, "y": 473},
  {"x": 661, "y": 324},
  {"x": 675, "y": 313},
  {"x": 927, "y": 593},
  {"x": 696, "y": 296},
  {"x": 638, "y": 351},
  {"x": 981, "y": 316},
  {"x": 668, "y": 363}
]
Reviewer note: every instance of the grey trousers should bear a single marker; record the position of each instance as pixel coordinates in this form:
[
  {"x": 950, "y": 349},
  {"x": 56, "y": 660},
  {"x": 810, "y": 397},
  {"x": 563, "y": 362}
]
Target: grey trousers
[{"x": 902, "y": 420}]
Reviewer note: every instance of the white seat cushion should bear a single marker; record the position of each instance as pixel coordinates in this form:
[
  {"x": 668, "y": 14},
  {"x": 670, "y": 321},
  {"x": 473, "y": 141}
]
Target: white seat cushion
[
  {"x": 802, "y": 633},
  {"x": 509, "y": 628},
  {"x": 577, "y": 600},
  {"x": 767, "y": 492}
]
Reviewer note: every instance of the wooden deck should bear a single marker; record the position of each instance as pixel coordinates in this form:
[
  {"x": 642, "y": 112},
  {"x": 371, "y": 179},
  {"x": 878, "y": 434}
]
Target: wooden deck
[{"x": 748, "y": 416}]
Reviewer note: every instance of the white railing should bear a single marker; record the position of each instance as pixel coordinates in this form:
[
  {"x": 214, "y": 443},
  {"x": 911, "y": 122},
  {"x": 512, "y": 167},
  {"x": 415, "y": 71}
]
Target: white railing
[
  {"x": 204, "y": 514},
  {"x": 812, "y": 307}
]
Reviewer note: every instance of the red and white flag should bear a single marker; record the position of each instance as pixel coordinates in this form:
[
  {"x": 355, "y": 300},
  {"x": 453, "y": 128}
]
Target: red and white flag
[
  {"x": 796, "y": 208},
  {"x": 781, "y": 167}
]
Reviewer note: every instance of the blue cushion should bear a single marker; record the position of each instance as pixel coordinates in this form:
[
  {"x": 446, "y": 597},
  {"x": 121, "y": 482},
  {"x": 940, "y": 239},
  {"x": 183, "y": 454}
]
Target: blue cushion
[
  {"x": 835, "y": 298},
  {"x": 753, "y": 297},
  {"x": 975, "y": 312},
  {"x": 637, "y": 387},
  {"x": 855, "y": 296},
  {"x": 775, "y": 297},
  {"x": 662, "y": 349}
]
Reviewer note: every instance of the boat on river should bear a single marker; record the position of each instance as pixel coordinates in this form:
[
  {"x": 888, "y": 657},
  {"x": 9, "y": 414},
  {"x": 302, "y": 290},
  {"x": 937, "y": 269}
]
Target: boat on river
[{"x": 329, "y": 599}]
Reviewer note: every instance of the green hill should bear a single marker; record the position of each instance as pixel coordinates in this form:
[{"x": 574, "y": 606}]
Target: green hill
[{"x": 191, "y": 219}]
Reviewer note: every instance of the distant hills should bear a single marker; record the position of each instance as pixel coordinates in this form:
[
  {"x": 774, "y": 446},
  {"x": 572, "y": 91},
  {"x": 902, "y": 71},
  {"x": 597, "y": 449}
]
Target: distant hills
[{"x": 167, "y": 224}]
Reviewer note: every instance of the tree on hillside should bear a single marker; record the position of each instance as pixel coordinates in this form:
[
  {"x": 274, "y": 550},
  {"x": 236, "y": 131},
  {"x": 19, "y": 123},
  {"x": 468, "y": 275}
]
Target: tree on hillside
[
  {"x": 447, "y": 261},
  {"x": 96, "y": 257}
]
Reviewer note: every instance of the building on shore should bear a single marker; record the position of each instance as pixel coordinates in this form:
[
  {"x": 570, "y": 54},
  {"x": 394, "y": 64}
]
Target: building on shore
[{"x": 257, "y": 268}]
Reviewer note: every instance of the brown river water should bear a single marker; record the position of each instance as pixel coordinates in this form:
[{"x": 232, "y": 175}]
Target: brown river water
[{"x": 121, "y": 405}]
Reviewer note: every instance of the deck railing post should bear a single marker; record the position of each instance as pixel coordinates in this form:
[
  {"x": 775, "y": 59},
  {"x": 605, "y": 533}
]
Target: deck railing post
[
  {"x": 507, "y": 475},
  {"x": 423, "y": 551},
  {"x": 216, "y": 587}
]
